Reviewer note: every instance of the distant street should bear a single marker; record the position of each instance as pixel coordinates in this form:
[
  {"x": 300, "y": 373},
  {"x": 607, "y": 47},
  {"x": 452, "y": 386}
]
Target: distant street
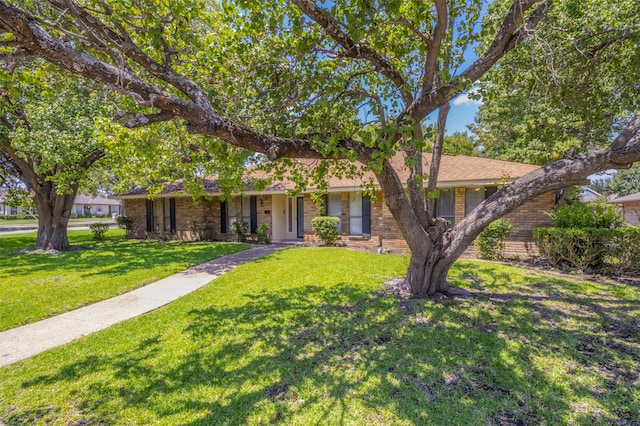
[{"x": 7, "y": 230}]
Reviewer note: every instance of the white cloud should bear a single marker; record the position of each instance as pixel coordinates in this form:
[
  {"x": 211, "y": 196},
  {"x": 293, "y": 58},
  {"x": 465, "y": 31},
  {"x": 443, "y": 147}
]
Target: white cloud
[{"x": 464, "y": 99}]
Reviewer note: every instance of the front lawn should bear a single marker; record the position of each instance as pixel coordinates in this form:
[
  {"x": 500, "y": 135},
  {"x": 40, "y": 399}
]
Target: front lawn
[
  {"x": 309, "y": 336},
  {"x": 34, "y": 286}
]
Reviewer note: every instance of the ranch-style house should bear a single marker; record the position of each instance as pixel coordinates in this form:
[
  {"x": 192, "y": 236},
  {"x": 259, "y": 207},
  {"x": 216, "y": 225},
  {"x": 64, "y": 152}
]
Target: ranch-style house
[{"x": 464, "y": 182}]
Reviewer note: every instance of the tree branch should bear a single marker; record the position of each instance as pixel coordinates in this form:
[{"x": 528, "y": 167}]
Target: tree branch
[
  {"x": 201, "y": 120},
  {"x": 354, "y": 50},
  {"x": 128, "y": 48},
  {"x": 625, "y": 35},
  {"x": 433, "y": 46},
  {"x": 141, "y": 120},
  {"x": 436, "y": 156},
  {"x": 623, "y": 150},
  {"x": 91, "y": 158},
  {"x": 510, "y": 34}
]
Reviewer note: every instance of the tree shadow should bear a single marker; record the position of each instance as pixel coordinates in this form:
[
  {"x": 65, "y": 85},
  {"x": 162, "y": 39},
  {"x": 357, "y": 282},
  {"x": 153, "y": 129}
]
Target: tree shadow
[
  {"x": 104, "y": 260},
  {"x": 311, "y": 352}
]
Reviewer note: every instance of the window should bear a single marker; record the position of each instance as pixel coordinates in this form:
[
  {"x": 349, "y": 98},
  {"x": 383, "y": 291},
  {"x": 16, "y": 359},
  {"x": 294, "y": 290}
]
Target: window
[
  {"x": 359, "y": 214},
  {"x": 445, "y": 205},
  {"x": 151, "y": 216},
  {"x": 169, "y": 215},
  {"x": 250, "y": 212},
  {"x": 334, "y": 208},
  {"x": 474, "y": 196}
]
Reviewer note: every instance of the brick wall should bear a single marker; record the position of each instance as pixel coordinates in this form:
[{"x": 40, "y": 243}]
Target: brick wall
[
  {"x": 345, "y": 213},
  {"x": 201, "y": 221},
  {"x": 531, "y": 215},
  {"x": 385, "y": 232},
  {"x": 459, "y": 203},
  {"x": 204, "y": 219},
  {"x": 631, "y": 213}
]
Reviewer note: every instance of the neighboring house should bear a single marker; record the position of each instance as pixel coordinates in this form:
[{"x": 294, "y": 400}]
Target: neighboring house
[
  {"x": 464, "y": 182},
  {"x": 7, "y": 210},
  {"x": 588, "y": 195},
  {"x": 630, "y": 208},
  {"x": 95, "y": 206}
]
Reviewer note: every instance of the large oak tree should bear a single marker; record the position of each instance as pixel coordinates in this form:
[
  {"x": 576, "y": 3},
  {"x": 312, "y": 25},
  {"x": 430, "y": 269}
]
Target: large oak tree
[
  {"x": 350, "y": 80},
  {"x": 48, "y": 147}
]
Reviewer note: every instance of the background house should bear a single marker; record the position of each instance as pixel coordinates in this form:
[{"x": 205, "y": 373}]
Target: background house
[
  {"x": 630, "y": 205},
  {"x": 85, "y": 205},
  {"x": 364, "y": 222},
  {"x": 588, "y": 195},
  {"x": 8, "y": 210}
]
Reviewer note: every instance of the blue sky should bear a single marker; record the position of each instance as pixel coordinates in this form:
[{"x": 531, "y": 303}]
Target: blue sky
[{"x": 462, "y": 113}]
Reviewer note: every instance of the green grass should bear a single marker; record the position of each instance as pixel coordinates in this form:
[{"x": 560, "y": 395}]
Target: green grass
[
  {"x": 307, "y": 336},
  {"x": 37, "y": 285},
  {"x": 4, "y": 223}
]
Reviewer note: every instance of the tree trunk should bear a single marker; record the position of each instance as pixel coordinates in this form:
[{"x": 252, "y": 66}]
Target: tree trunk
[
  {"x": 52, "y": 235},
  {"x": 427, "y": 275},
  {"x": 430, "y": 263},
  {"x": 54, "y": 211}
]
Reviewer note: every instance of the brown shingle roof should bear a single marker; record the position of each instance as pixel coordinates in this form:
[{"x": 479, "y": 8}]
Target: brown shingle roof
[
  {"x": 626, "y": 199},
  {"x": 457, "y": 170}
]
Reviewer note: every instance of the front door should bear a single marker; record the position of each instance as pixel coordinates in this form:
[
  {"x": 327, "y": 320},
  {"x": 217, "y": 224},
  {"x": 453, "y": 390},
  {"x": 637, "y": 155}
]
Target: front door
[{"x": 300, "y": 217}]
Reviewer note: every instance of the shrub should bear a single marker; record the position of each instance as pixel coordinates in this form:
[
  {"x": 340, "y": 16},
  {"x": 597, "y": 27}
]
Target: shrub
[
  {"x": 325, "y": 228},
  {"x": 263, "y": 234},
  {"x": 125, "y": 222},
  {"x": 240, "y": 229},
  {"x": 19, "y": 216},
  {"x": 99, "y": 229},
  {"x": 606, "y": 250},
  {"x": 195, "y": 230},
  {"x": 580, "y": 215},
  {"x": 490, "y": 242},
  {"x": 623, "y": 250}
]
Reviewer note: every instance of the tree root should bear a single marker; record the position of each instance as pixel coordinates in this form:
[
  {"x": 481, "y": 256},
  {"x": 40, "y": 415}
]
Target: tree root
[{"x": 456, "y": 292}]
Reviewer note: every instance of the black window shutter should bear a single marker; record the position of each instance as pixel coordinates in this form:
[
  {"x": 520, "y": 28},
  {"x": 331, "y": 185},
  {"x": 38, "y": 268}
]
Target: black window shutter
[
  {"x": 325, "y": 205},
  {"x": 149, "y": 205},
  {"x": 436, "y": 203},
  {"x": 172, "y": 214},
  {"x": 366, "y": 214},
  {"x": 253, "y": 206},
  {"x": 489, "y": 191},
  {"x": 223, "y": 217}
]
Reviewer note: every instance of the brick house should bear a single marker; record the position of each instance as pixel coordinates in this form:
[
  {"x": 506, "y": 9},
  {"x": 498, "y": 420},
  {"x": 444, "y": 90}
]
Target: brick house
[
  {"x": 464, "y": 182},
  {"x": 630, "y": 208}
]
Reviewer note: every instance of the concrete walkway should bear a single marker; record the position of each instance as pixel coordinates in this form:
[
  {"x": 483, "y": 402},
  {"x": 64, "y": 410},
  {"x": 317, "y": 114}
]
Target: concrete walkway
[{"x": 31, "y": 339}]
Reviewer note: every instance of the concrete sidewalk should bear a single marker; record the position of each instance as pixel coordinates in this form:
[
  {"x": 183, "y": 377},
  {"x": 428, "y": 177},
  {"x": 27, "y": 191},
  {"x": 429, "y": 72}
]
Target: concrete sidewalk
[{"x": 31, "y": 339}]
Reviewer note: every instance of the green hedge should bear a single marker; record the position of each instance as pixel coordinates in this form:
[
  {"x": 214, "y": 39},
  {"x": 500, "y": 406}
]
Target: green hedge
[
  {"x": 491, "y": 241},
  {"x": 606, "y": 250},
  {"x": 325, "y": 228},
  {"x": 19, "y": 216}
]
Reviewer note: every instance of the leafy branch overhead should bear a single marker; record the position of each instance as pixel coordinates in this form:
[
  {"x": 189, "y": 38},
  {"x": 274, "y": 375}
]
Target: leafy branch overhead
[
  {"x": 346, "y": 80},
  {"x": 147, "y": 53}
]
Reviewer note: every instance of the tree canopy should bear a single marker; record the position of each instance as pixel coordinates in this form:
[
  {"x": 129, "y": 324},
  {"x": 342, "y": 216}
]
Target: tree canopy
[
  {"x": 571, "y": 87},
  {"x": 48, "y": 144},
  {"x": 340, "y": 80}
]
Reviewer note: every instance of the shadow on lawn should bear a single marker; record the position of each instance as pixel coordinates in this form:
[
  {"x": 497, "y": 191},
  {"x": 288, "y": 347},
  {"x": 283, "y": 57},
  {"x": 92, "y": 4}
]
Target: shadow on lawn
[
  {"x": 113, "y": 257},
  {"x": 312, "y": 351}
]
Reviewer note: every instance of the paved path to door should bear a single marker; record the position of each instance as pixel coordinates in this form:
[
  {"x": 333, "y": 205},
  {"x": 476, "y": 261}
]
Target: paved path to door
[{"x": 31, "y": 339}]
